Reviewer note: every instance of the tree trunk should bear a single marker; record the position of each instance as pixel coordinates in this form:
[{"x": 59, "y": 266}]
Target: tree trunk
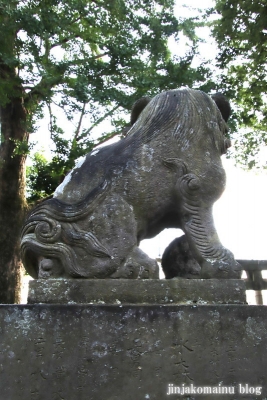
[{"x": 12, "y": 198}]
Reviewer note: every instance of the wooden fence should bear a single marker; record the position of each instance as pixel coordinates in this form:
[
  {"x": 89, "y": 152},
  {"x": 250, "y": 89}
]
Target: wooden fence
[
  {"x": 254, "y": 279},
  {"x": 253, "y": 269}
]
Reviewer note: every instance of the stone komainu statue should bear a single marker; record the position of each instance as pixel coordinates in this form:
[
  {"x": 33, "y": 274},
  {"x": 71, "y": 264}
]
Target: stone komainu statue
[{"x": 165, "y": 173}]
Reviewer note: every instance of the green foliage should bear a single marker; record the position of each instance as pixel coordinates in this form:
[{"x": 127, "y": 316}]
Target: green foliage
[
  {"x": 41, "y": 179},
  {"x": 21, "y": 147},
  {"x": 241, "y": 34},
  {"x": 44, "y": 176},
  {"x": 93, "y": 59}
]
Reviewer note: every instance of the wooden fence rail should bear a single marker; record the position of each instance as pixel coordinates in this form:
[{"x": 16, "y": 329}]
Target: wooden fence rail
[{"x": 253, "y": 269}]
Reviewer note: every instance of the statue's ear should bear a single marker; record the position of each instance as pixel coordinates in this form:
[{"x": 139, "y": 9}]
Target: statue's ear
[
  {"x": 223, "y": 105},
  {"x": 138, "y": 107}
]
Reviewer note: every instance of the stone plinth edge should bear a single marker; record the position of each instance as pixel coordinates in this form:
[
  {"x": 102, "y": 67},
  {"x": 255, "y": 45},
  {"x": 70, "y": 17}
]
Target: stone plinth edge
[{"x": 125, "y": 291}]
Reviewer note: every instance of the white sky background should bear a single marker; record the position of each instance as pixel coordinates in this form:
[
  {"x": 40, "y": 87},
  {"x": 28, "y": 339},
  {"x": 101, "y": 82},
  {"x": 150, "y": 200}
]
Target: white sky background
[{"x": 240, "y": 215}]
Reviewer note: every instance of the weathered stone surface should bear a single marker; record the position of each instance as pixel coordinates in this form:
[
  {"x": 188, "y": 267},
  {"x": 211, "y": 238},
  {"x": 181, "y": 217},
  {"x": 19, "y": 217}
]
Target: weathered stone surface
[
  {"x": 125, "y": 291},
  {"x": 166, "y": 173},
  {"x": 78, "y": 352},
  {"x": 178, "y": 260}
]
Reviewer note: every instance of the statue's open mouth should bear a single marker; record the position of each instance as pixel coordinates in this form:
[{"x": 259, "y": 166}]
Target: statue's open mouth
[
  {"x": 49, "y": 268},
  {"x": 49, "y": 260},
  {"x": 41, "y": 266}
]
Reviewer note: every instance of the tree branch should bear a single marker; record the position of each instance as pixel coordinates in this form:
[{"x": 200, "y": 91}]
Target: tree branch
[
  {"x": 50, "y": 125},
  {"x": 64, "y": 41},
  {"x": 86, "y": 133},
  {"x": 40, "y": 91},
  {"x": 80, "y": 122}
]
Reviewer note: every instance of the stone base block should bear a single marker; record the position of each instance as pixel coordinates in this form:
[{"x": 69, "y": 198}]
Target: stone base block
[
  {"x": 127, "y": 291},
  {"x": 100, "y": 352}
]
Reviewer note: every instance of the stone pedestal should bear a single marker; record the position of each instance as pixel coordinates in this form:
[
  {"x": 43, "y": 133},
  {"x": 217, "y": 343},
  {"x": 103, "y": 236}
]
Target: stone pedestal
[
  {"x": 132, "y": 351},
  {"x": 132, "y": 291}
]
